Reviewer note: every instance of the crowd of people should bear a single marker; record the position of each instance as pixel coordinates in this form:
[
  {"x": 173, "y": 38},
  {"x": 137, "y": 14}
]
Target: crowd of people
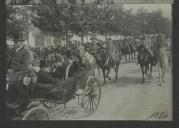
[
  {"x": 51, "y": 65},
  {"x": 48, "y": 66}
]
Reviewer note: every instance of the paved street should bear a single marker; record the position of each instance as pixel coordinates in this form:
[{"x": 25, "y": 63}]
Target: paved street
[{"x": 127, "y": 99}]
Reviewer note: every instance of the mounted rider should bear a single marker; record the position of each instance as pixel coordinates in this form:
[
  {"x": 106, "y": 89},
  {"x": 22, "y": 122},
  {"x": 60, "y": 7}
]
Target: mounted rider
[{"x": 147, "y": 43}]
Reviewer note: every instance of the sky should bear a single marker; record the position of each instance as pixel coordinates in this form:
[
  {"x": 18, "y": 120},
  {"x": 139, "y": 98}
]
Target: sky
[{"x": 165, "y": 8}]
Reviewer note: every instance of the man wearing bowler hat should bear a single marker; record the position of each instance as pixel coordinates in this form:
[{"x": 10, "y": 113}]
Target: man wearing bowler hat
[
  {"x": 22, "y": 58},
  {"x": 19, "y": 67}
]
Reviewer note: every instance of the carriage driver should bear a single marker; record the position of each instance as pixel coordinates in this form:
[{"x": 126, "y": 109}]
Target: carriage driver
[
  {"x": 21, "y": 65},
  {"x": 22, "y": 58}
]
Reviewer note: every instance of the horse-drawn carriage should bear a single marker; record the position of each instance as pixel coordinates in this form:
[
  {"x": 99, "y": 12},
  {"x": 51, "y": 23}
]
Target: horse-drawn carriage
[{"x": 46, "y": 97}]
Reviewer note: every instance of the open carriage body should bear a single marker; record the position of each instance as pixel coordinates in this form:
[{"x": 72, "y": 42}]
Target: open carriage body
[{"x": 50, "y": 96}]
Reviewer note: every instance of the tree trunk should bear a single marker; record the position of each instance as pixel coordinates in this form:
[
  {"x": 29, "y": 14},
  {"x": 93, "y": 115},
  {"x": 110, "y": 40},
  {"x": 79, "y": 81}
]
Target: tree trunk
[
  {"x": 45, "y": 41},
  {"x": 105, "y": 36},
  {"x": 82, "y": 39},
  {"x": 52, "y": 41},
  {"x": 66, "y": 37}
]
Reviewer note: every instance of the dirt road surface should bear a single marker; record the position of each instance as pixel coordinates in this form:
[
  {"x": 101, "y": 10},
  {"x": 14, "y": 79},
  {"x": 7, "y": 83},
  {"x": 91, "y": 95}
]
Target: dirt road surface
[{"x": 126, "y": 99}]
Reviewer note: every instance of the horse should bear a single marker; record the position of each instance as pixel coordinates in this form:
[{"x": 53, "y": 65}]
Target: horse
[
  {"x": 101, "y": 59},
  {"x": 86, "y": 55},
  {"x": 95, "y": 57},
  {"x": 145, "y": 59},
  {"x": 162, "y": 64},
  {"x": 132, "y": 47},
  {"x": 108, "y": 59},
  {"x": 114, "y": 57},
  {"x": 127, "y": 50}
]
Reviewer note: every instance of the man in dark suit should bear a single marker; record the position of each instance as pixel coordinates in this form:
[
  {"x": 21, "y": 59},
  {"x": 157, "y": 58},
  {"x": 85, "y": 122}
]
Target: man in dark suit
[
  {"x": 20, "y": 66},
  {"x": 22, "y": 58},
  {"x": 44, "y": 77}
]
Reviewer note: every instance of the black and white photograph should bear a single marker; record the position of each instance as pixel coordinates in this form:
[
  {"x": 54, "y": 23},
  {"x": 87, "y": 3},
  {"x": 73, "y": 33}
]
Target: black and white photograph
[{"x": 89, "y": 60}]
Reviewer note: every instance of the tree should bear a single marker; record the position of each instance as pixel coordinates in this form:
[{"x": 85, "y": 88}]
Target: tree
[
  {"x": 153, "y": 23},
  {"x": 55, "y": 19},
  {"x": 81, "y": 19},
  {"x": 158, "y": 23},
  {"x": 17, "y": 21}
]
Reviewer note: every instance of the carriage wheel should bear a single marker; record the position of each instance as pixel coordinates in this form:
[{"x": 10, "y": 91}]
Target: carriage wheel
[
  {"x": 91, "y": 95},
  {"x": 49, "y": 105},
  {"x": 36, "y": 113}
]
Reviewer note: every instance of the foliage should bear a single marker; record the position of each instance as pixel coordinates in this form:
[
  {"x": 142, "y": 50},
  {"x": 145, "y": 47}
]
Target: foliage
[
  {"x": 64, "y": 20},
  {"x": 17, "y": 21}
]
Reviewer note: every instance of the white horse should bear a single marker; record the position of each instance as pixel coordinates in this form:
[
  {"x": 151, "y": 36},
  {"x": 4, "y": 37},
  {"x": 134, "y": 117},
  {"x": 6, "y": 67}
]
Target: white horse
[
  {"x": 87, "y": 58},
  {"x": 162, "y": 64}
]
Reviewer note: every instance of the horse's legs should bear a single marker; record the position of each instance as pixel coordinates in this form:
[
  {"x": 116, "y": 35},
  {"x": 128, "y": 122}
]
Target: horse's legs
[
  {"x": 142, "y": 68},
  {"x": 116, "y": 70},
  {"x": 163, "y": 75},
  {"x": 107, "y": 75},
  {"x": 132, "y": 57},
  {"x": 150, "y": 70},
  {"x": 125, "y": 55},
  {"x": 134, "y": 54},
  {"x": 93, "y": 73},
  {"x": 159, "y": 69},
  {"x": 146, "y": 67},
  {"x": 103, "y": 70},
  {"x": 98, "y": 70}
]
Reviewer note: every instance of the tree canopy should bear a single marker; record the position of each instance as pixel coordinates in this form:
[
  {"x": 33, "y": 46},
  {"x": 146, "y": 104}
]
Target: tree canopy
[
  {"x": 17, "y": 21},
  {"x": 62, "y": 20}
]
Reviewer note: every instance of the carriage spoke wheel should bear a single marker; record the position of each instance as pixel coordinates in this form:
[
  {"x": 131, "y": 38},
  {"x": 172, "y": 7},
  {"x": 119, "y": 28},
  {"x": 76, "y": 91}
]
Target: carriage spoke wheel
[
  {"x": 91, "y": 95},
  {"x": 36, "y": 113}
]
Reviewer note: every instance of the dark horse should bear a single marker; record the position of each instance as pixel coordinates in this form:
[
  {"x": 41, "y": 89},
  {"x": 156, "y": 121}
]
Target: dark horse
[
  {"x": 106, "y": 61},
  {"x": 145, "y": 59}
]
